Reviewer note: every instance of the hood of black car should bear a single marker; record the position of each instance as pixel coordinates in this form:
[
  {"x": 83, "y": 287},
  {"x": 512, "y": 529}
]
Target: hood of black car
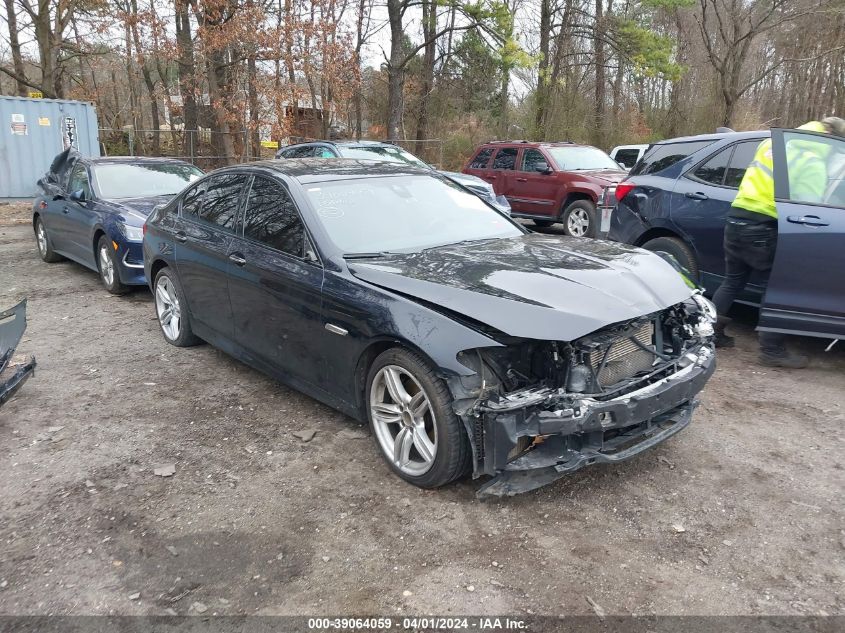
[{"x": 533, "y": 286}]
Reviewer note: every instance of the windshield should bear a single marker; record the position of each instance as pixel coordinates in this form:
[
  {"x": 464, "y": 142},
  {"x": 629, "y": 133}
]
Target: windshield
[
  {"x": 382, "y": 152},
  {"x": 403, "y": 213},
  {"x": 143, "y": 180},
  {"x": 578, "y": 158}
]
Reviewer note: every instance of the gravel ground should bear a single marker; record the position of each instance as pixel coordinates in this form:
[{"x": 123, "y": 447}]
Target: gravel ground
[{"x": 742, "y": 513}]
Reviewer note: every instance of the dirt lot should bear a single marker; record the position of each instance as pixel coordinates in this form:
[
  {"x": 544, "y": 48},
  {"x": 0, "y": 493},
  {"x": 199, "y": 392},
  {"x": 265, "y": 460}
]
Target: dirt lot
[{"x": 742, "y": 513}]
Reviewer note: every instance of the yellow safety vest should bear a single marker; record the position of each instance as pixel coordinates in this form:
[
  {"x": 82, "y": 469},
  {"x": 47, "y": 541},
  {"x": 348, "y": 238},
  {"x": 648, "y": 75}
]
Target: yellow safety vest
[{"x": 807, "y": 175}]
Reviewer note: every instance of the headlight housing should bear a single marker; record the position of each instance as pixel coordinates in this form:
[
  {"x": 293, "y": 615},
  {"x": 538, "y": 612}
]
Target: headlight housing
[
  {"x": 705, "y": 306},
  {"x": 133, "y": 233}
]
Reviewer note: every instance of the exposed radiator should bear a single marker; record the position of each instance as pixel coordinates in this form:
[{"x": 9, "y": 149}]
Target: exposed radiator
[{"x": 626, "y": 358}]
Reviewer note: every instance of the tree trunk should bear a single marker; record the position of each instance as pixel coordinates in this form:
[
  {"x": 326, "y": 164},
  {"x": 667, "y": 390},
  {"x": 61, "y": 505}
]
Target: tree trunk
[
  {"x": 429, "y": 10},
  {"x": 222, "y": 141},
  {"x": 187, "y": 76},
  {"x": 252, "y": 96},
  {"x": 14, "y": 44},
  {"x": 148, "y": 82},
  {"x": 542, "y": 95},
  {"x": 395, "y": 71},
  {"x": 359, "y": 45},
  {"x": 599, "y": 58}
]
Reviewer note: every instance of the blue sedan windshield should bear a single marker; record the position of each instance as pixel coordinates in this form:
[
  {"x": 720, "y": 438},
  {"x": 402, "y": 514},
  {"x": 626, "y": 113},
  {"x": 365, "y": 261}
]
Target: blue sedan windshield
[
  {"x": 403, "y": 213},
  {"x": 123, "y": 180}
]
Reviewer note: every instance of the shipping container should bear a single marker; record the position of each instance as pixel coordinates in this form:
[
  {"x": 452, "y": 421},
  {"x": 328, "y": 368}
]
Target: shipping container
[{"x": 33, "y": 131}]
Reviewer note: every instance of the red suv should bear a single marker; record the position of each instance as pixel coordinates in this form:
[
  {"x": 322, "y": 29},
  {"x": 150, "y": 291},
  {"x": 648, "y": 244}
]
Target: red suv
[{"x": 552, "y": 182}]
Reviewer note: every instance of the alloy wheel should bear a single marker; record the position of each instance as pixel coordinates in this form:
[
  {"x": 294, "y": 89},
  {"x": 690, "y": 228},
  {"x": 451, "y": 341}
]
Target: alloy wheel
[
  {"x": 167, "y": 308},
  {"x": 41, "y": 238},
  {"x": 106, "y": 266},
  {"x": 578, "y": 222},
  {"x": 403, "y": 420}
]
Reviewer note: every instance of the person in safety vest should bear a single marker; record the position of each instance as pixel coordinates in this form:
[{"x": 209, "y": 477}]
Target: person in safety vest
[{"x": 751, "y": 229}]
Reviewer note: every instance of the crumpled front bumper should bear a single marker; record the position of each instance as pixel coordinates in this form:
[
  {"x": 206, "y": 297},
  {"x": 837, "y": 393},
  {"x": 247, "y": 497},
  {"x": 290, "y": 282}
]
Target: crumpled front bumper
[
  {"x": 585, "y": 431},
  {"x": 13, "y": 373}
]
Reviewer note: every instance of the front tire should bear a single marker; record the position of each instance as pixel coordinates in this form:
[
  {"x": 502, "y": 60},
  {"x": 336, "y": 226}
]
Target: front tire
[
  {"x": 107, "y": 264},
  {"x": 45, "y": 245},
  {"x": 579, "y": 219},
  {"x": 172, "y": 310},
  {"x": 411, "y": 417}
]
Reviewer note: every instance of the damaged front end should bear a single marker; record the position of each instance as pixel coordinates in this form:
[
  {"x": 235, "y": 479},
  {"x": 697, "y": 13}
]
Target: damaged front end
[
  {"x": 536, "y": 410},
  {"x": 14, "y": 371}
]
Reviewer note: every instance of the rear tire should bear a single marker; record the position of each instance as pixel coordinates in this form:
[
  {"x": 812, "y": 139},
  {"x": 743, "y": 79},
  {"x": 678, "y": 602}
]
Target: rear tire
[
  {"x": 412, "y": 421},
  {"x": 172, "y": 310},
  {"x": 579, "y": 219},
  {"x": 107, "y": 265},
  {"x": 44, "y": 244},
  {"x": 678, "y": 249}
]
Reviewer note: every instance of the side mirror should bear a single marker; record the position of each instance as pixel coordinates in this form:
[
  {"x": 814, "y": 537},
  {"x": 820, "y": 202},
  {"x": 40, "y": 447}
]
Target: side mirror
[
  {"x": 78, "y": 196},
  {"x": 544, "y": 168},
  {"x": 622, "y": 165}
]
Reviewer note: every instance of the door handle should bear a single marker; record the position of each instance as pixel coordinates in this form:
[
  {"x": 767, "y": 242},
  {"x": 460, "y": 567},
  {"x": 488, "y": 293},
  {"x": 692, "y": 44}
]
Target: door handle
[
  {"x": 697, "y": 195},
  {"x": 181, "y": 236},
  {"x": 65, "y": 210},
  {"x": 238, "y": 259},
  {"x": 522, "y": 179},
  {"x": 807, "y": 220},
  {"x": 490, "y": 177}
]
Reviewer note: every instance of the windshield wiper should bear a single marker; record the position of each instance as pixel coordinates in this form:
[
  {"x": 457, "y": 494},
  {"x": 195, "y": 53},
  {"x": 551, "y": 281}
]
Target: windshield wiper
[
  {"x": 375, "y": 255},
  {"x": 475, "y": 241}
]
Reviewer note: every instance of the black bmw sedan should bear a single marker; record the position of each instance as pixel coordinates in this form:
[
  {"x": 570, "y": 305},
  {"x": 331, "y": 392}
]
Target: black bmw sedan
[{"x": 467, "y": 342}]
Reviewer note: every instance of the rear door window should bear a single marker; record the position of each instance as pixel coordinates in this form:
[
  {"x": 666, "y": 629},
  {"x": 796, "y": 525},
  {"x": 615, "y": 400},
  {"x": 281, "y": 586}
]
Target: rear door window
[
  {"x": 306, "y": 151},
  {"x": 741, "y": 159},
  {"x": 713, "y": 170},
  {"x": 505, "y": 158},
  {"x": 663, "y": 156},
  {"x": 271, "y": 218},
  {"x": 216, "y": 201},
  {"x": 627, "y": 157},
  {"x": 482, "y": 158}
]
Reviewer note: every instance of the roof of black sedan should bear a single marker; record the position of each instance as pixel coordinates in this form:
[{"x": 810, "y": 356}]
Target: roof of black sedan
[
  {"x": 718, "y": 136},
  {"x": 307, "y": 170},
  {"x": 131, "y": 160}
]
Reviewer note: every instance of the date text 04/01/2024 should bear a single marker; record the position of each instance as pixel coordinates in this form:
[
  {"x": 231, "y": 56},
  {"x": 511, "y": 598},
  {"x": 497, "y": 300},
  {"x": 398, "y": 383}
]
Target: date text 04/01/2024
[{"x": 414, "y": 624}]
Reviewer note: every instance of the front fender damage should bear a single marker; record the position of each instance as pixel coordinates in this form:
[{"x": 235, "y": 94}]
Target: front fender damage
[{"x": 528, "y": 437}]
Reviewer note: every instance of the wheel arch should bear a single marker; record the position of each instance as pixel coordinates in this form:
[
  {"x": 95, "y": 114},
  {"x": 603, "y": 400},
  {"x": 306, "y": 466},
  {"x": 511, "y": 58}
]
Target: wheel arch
[
  {"x": 99, "y": 231},
  {"x": 659, "y": 231},
  {"x": 365, "y": 360},
  {"x": 155, "y": 267},
  {"x": 575, "y": 196}
]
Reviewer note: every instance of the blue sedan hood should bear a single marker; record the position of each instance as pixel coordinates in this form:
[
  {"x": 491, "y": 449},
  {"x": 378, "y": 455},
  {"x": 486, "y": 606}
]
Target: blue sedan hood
[
  {"x": 533, "y": 286},
  {"x": 136, "y": 210}
]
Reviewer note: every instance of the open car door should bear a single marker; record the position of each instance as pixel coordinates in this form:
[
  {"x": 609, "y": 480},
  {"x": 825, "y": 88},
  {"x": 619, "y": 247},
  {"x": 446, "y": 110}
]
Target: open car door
[{"x": 805, "y": 292}]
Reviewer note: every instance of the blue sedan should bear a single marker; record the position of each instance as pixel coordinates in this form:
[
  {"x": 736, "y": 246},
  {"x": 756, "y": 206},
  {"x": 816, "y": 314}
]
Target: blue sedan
[{"x": 92, "y": 211}]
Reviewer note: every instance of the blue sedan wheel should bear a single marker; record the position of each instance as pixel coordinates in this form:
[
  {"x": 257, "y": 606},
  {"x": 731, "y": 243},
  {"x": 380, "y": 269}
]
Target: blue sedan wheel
[
  {"x": 107, "y": 265},
  {"x": 45, "y": 246}
]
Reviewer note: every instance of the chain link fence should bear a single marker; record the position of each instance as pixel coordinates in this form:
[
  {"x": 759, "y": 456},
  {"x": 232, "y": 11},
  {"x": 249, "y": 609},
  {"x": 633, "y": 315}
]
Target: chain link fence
[
  {"x": 208, "y": 150},
  {"x": 203, "y": 148}
]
